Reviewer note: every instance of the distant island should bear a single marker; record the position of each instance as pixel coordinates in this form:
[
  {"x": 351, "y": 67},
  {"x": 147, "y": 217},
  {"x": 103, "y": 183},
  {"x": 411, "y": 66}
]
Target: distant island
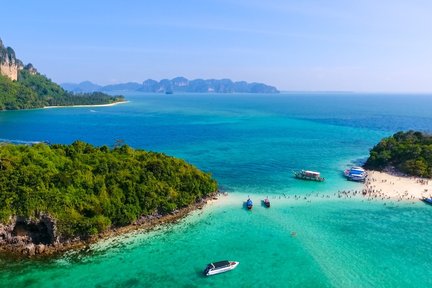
[
  {"x": 407, "y": 152},
  {"x": 23, "y": 87},
  {"x": 56, "y": 197},
  {"x": 175, "y": 85}
]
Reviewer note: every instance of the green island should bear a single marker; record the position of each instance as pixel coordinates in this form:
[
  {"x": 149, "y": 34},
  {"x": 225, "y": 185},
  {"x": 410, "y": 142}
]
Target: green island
[
  {"x": 408, "y": 152},
  {"x": 57, "y": 197},
  {"x": 23, "y": 87},
  {"x": 55, "y": 194},
  {"x": 37, "y": 91}
]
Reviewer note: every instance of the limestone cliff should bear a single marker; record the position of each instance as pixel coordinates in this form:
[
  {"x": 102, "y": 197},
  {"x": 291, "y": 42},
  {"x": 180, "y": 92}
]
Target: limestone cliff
[{"x": 9, "y": 64}]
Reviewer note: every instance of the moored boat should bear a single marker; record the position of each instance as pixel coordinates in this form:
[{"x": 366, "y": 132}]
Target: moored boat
[
  {"x": 308, "y": 175},
  {"x": 220, "y": 267},
  {"x": 266, "y": 202},
  {"x": 249, "y": 204},
  {"x": 356, "y": 173},
  {"x": 427, "y": 200}
]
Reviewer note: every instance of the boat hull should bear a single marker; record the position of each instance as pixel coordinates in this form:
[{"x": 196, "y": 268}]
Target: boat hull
[
  {"x": 356, "y": 174},
  {"x": 308, "y": 175},
  {"x": 427, "y": 200},
  {"x": 302, "y": 177},
  {"x": 356, "y": 179},
  {"x": 233, "y": 265}
]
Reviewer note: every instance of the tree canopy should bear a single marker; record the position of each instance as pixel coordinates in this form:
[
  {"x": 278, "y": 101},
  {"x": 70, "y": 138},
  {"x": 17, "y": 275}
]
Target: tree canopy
[
  {"x": 409, "y": 152},
  {"x": 88, "y": 189}
]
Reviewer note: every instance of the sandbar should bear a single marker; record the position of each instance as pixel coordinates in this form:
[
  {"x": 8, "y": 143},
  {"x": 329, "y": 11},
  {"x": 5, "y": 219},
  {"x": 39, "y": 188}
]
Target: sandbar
[{"x": 390, "y": 186}]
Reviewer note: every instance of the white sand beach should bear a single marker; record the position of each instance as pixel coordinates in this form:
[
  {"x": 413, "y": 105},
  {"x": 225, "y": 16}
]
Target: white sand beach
[
  {"x": 386, "y": 186},
  {"x": 83, "y": 106}
]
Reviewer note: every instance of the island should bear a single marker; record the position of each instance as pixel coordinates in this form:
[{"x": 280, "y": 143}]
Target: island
[
  {"x": 23, "y": 87},
  {"x": 176, "y": 85},
  {"x": 406, "y": 152},
  {"x": 400, "y": 167},
  {"x": 55, "y": 197}
]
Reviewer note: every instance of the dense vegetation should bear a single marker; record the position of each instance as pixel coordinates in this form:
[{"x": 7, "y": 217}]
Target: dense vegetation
[
  {"x": 15, "y": 96},
  {"x": 409, "y": 152},
  {"x": 88, "y": 189},
  {"x": 36, "y": 91}
]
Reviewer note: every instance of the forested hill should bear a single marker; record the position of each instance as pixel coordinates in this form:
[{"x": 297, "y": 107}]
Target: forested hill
[
  {"x": 409, "y": 152},
  {"x": 37, "y": 91},
  {"x": 22, "y": 87},
  {"x": 88, "y": 189}
]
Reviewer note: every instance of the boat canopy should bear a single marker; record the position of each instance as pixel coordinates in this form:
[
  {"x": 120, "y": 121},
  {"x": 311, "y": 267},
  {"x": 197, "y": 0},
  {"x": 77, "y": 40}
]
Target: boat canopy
[
  {"x": 220, "y": 264},
  {"x": 311, "y": 173},
  {"x": 356, "y": 171}
]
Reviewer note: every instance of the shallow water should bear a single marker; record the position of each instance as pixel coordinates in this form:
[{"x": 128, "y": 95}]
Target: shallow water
[{"x": 251, "y": 144}]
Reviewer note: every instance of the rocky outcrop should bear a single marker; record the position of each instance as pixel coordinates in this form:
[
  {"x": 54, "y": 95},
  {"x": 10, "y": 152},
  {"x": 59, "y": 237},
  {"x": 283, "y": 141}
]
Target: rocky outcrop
[
  {"x": 28, "y": 236},
  {"x": 32, "y": 70},
  {"x": 9, "y": 64},
  {"x": 38, "y": 237}
]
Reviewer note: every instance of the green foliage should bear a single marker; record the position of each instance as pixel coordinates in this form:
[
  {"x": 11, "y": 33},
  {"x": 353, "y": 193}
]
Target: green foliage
[
  {"x": 37, "y": 91},
  {"x": 409, "y": 152},
  {"x": 14, "y": 96},
  {"x": 88, "y": 189}
]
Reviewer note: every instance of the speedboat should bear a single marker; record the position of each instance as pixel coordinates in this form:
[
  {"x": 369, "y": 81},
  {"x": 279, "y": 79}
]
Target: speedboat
[
  {"x": 249, "y": 204},
  {"x": 266, "y": 202},
  {"x": 220, "y": 267},
  {"x": 356, "y": 173},
  {"x": 427, "y": 200}
]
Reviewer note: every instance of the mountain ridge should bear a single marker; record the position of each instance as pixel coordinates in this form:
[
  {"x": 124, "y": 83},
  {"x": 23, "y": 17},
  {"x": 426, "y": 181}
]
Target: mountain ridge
[{"x": 177, "y": 84}]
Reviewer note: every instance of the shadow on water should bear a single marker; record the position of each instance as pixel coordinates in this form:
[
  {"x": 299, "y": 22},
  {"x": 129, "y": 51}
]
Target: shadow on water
[{"x": 200, "y": 274}]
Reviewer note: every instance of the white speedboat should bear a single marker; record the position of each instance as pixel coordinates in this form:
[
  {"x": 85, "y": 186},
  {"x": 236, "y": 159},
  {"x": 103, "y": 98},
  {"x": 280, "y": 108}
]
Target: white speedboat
[{"x": 220, "y": 267}]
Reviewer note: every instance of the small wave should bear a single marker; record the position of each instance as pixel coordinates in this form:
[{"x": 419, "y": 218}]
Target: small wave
[{"x": 14, "y": 141}]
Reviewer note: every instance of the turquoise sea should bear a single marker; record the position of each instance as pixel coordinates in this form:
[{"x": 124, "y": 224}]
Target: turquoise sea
[{"x": 251, "y": 144}]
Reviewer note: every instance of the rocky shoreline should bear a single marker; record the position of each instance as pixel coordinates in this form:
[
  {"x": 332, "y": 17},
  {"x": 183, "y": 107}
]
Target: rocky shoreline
[{"x": 16, "y": 242}]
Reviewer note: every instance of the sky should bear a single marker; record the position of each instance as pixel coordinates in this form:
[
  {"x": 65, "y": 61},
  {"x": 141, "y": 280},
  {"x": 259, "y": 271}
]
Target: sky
[{"x": 308, "y": 45}]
